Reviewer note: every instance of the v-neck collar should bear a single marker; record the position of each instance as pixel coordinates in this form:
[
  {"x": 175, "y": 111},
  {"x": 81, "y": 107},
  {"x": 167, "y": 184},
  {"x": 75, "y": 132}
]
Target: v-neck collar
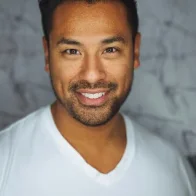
[{"x": 67, "y": 150}]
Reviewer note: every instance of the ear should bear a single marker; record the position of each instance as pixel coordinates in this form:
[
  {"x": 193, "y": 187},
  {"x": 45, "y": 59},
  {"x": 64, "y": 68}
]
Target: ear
[
  {"x": 137, "y": 51},
  {"x": 46, "y": 54}
]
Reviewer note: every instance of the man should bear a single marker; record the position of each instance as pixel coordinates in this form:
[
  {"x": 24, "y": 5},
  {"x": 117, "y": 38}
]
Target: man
[{"x": 82, "y": 145}]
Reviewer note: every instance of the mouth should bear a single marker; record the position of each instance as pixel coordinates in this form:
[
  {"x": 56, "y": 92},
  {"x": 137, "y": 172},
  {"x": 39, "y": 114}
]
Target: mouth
[{"x": 92, "y": 97}]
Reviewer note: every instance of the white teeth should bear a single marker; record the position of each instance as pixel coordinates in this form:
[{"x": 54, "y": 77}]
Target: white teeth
[{"x": 93, "y": 96}]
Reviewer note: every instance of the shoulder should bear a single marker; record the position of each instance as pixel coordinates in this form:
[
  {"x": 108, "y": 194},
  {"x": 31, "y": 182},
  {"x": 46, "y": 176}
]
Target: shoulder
[
  {"x": 15, "y": 134},
  {"x": 19, "y": 127},
  {"x": 163, "y": 152},
  {"x": 9, "y": 135},
  {"x": 146, "y": 139}
]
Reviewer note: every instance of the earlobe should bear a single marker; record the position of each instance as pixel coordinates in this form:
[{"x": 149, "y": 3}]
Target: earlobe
[
  {"x": 136, "y": 64},
  {"x": 46, "y": 54},
  {"x": 46, "y": 68},
  {"x": 137, "y": 51}
]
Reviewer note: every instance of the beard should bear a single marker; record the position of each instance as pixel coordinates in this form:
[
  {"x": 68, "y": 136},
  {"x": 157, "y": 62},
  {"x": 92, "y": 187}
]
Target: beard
[{"x": 92, "y": 115}]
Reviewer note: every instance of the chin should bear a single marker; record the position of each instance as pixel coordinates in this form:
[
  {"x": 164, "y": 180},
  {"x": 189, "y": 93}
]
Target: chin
[{"x": 92, "y": 115}]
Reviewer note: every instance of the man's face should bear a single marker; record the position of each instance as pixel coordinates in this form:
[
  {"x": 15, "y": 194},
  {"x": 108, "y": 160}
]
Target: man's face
[{"x": 90, "y": 59}]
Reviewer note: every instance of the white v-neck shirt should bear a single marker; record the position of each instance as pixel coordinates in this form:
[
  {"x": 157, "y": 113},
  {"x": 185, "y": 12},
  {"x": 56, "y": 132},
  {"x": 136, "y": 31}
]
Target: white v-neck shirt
[{"x": 35, "y": 160}]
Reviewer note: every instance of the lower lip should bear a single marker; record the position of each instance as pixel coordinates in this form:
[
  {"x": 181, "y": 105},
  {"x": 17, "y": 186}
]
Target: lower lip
[{"x": 92, "y": 102}]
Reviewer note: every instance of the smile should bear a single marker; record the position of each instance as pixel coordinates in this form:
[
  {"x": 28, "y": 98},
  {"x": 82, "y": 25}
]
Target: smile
[
  {"x": 93, "y": 95},
  {"x": 90, "y": 98}
]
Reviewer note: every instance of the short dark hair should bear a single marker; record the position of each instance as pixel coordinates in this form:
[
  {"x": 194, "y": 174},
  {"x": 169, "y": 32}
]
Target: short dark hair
[{"x": 47, "y": 8}]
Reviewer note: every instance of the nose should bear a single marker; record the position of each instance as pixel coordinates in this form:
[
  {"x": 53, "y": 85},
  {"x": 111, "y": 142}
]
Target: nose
[{"x": 92, "y": 69}]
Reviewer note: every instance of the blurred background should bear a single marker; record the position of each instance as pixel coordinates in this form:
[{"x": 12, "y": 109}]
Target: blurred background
[{"x": 163, "y": 97}]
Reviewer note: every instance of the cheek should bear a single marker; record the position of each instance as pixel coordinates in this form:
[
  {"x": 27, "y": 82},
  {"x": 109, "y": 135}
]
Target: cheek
[
  {"x": 125, "y": 78},
  {"x": 122, "y": 67},
  {"x": 63, "y": 68},
  {"x": 122, "y": 73},
  {"x": 62, "y": 74}
]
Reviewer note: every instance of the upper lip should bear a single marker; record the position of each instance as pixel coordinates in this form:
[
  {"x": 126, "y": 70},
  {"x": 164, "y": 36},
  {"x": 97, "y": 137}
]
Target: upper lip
[{"x": 92, "y": 91}]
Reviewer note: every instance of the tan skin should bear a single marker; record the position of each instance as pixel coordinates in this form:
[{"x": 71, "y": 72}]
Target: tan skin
[{"x": 101, "y": 146}]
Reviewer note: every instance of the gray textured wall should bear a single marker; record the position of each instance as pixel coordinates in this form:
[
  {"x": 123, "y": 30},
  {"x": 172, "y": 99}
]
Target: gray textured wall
[{"x": 164, "y": 92}]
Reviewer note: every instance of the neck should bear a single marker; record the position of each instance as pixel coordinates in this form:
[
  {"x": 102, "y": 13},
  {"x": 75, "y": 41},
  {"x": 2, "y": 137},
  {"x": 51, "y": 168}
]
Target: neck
[{"x": 78, "y": 134}]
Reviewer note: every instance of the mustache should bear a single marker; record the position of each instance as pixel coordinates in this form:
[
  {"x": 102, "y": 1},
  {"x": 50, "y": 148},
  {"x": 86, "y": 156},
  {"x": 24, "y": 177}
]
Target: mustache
[{"x": 86, "y": 85}]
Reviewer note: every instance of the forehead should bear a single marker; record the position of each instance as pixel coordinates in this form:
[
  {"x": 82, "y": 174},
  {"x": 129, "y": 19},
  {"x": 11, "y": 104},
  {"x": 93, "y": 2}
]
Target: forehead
[{"x": 83, "y": 19}]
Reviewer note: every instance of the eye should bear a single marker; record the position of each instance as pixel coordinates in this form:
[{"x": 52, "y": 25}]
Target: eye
[
  {"x": 111, "y": 50},
  {"x": 72, "y": 52}
]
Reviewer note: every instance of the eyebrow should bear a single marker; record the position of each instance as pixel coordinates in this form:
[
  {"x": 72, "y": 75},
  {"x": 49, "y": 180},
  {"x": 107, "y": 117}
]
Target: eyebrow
[
  {"x": 109, "y": 40},
  {"x": 68, "y": 42},
  {"x": 114, "y": 39}
]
